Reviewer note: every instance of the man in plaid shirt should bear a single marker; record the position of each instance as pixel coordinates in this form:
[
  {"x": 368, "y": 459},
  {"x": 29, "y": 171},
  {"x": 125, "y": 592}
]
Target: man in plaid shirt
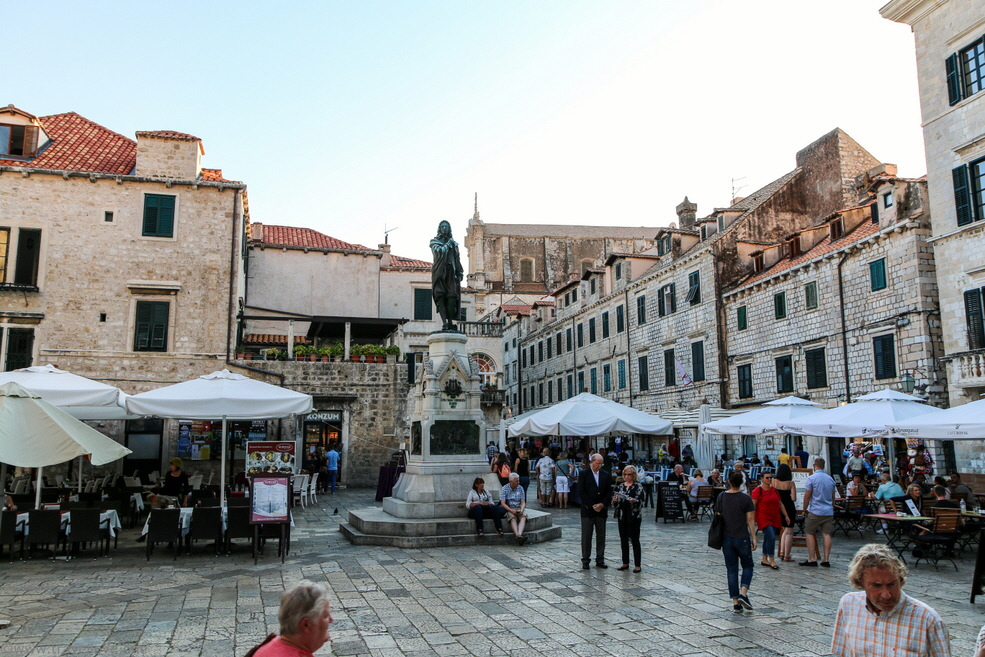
[{"x": 880, "y": 620}]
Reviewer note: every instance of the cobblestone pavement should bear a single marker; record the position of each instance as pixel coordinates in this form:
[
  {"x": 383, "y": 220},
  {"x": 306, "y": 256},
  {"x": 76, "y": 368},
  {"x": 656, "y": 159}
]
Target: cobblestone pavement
[{"x": 498, "y": 599}]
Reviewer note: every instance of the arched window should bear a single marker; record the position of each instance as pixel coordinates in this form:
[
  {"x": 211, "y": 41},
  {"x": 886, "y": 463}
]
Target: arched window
[
  {"x": 527, "y": 270},
  {"x": 487, "y": 368}
]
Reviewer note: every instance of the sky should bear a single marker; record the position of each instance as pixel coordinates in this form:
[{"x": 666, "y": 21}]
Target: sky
[{"x": 361, "y": 117}]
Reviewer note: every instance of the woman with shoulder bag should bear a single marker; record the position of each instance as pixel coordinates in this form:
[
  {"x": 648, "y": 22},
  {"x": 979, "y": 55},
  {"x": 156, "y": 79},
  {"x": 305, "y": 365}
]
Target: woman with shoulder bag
[
  {"x": 739, "y": 516},
  {"x": 562, "y": 483},
  {"x": 628, "y": 502}
]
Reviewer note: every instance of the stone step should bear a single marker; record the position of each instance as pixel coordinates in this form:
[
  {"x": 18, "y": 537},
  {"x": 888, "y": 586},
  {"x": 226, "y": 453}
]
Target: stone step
[
  {"x": 375, "y": 521},
  {"x": 451, "y": 540}
]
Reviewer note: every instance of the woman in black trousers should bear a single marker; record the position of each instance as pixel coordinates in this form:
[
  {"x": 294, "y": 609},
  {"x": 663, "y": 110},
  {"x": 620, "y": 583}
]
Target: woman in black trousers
[{"x": 628, "y": 501}]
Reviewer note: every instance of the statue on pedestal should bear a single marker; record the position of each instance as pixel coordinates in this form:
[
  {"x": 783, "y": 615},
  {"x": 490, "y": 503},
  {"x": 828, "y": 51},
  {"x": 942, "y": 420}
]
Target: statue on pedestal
[{"x": 446, "y": 276}]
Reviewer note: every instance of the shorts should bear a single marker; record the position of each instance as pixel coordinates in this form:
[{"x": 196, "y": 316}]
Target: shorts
[
  {"x": 546, "y": 486},
  {"x": 817, "y": 523},
  {"x": 561, "y": 484}
]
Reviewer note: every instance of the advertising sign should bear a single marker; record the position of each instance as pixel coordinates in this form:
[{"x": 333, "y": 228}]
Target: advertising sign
[
  {"x": 270, "y": 497},
  {"x": 270, "y": 457}
]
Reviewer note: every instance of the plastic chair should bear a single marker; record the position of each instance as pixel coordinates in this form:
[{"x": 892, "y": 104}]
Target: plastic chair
[
  {"x": 86, "y": 527},
  {"x": 300, "y": 488},
  {"x": 207, "y": 525},
  {"x": 164, "y": 525},
  {"x": 195, "y": 482},
  {"x": 44, "y": 528},
  {"x": 313, "y": 490}
]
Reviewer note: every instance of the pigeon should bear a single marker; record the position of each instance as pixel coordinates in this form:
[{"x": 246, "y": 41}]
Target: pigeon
[{"x": 336, "y": 512}]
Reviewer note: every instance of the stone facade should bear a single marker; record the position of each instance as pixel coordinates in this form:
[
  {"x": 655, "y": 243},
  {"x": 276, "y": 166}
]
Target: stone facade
[{"x": 948, "y": 38}]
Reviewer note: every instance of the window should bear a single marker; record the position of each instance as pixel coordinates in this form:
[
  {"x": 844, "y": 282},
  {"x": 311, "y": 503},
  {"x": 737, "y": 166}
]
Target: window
[
  {"x": 644, "y": 373},
  {"x": 540, "y": 394},
  {"x": 550, "y": 345},
  {"x": 817, "y": 369},
  {"x": 664, "y": 245},
  {"x": 540, "y": 351},
  {"x": 18, "y": 140},
  {"x": 877, "y": 274},
  {"x": 605, "y": 324},
  {"x": 550, "y": 393},
  {"x": 571, "y": 387},
  {"x": 581, "y": 382},
  {"x": 666, "y": 300},
  {"x": 506, "y": 346},
  {"x": 151, "y": 326},
  {"x": 965, "y": 72},
  {"x": 591, "y": 286},
  {"x": 581, "y": 335},
  {"x": 693, "y": 288},
  {"x": 975, "y": 317},
  {"x": 591, "y": 330},
  {"x": 757, "y": 263},
  {"x": 793, "y": 246},
  {"x": 20, "y": 348},
  {"x": 606, "y": 378},
  {"x": 884, "y": 351},
  {"x": 697, "y": 361},
  {"x": 463, "y": 314},
  {"x": 887, "y": 200},
  {"x": 567, "y": 336},
  {"x": 969, "y": 192},
  {"x": 532, "y": 360},
  {"x": 525, "y": 398},
  {"x": 557, "y": 343},
  {"x": 158, "y": 216},
  {"x": 560, "y": 390},
  {"x": 423, "y": 306},
  {"x": 620, "y": 320},
  {"x": 670, "y": 371},
  {"x": 618, "y": 270},
  {"x": 784, "y": 374},
  {"x": 523, "y": 358},
  {"x": 594, "y": 379},
  {"x": 780, "y": 305},
  {"x": 526, "y": 270},
  {"x": 740, "y": 318},
  {"x": 108, "y": 217},
  {"x": 810, "y": 295},
  {"x": 27, "y": 261},
  {"x": 641, "y": 309},
  {"x": 836, "y": 230},
  {"x": 574, "y": 295},
  {"x": 567, "y": 299},
  {"x": 744, "y": 373}
]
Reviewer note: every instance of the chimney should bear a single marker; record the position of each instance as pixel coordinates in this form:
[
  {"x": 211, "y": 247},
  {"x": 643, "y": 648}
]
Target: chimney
[
  {"x": 169, "y": 154},
  {"x": 386, "y": 260},
  {"x": 686, "y": 213}
]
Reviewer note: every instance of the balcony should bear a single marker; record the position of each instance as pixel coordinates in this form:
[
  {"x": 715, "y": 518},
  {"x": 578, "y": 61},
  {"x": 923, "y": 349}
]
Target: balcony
[
  {"x": 493, "y": 397},
  {"x": 967, "y": 369},
  {"x": 481, "y": 329}
]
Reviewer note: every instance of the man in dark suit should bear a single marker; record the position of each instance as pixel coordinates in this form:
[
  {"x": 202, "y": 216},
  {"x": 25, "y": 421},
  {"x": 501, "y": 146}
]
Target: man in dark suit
[{"x": 595, "y": 489}]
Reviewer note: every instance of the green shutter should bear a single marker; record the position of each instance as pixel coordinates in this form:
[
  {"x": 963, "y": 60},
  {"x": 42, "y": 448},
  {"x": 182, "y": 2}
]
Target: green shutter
[
  {"x": 158, "y": 215},
  {"x": 974, "y": 317},
  {"x": 644, "y": 373},
  {"x": 953, "y": 68},
  {"x": 962, "y": 195},
  {"x": 877, "y": 275},
  {"x": 673, "y": 297},
  {"x": 741, "y": 318},
  {"x": 817, "y": 375},
  {"x": 423, "y": 308},
  {"x": 151, "y": 326},
  {"x": 697, "y": 361},
  {"x": 810, "y": 295},
  {"x": 885, "y": 356}
]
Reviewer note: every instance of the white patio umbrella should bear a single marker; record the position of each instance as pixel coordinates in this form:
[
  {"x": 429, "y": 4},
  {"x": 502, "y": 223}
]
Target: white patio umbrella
[
  {"x": 965, "y": 422},
  {"x": 220, "y": 394},
  {"x": 588, "y": 415},
  {"x": 868, "y": 416},
  {"x": 36, "y": 434},
  {"x": 763, "y": 420}
]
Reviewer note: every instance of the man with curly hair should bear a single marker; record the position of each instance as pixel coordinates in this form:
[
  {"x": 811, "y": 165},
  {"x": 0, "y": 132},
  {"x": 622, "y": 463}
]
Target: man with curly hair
[{"x": 880, "y": 620}]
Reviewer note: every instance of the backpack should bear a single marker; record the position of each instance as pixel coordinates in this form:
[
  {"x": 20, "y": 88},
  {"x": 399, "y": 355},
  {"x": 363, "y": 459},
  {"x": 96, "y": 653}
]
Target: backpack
[{"x": 504, "y": 471}]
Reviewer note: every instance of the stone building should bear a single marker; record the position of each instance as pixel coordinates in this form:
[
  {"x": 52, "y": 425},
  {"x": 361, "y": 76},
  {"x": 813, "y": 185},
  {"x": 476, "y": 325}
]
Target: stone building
[
  {"x": 531, "y": 260},
  {"x": 950, "y": 51},
  {"x": 120, "y": 260},
  {"x": 839, "y": 309}
]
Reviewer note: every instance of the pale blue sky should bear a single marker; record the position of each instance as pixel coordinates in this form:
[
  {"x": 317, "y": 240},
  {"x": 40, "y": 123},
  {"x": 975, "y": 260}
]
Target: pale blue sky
[{"x": 345, "y": 116}]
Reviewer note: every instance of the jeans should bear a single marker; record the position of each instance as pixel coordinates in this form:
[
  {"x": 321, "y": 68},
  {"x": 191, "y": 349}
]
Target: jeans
[
  {"x": 769, "y": 540},
  {"x": 629, "y": 532},
  {"x": 524, "y": 483},
  {"x": 332, "y": 478},
  {"x": 496, "y": 512},
  {"x": 735, "y": 550}
]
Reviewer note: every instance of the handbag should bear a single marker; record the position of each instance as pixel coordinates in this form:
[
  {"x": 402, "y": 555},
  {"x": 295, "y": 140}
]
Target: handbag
[{"x": 716, "y": 533}]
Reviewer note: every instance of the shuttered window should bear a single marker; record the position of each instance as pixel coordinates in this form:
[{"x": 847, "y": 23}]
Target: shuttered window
[
  {"x": 594, "y": 378},
  {"x": 423, "y": 307},
  {"x": 20, "y": 348},
  {"x": 19, "y": 140},
  {"x": 158, "y": 215},
  {"x": 884, "y": 353},
  {"x": 744, "y": 375},
  {"x": 976, "y": 319},
  {"x": 641, "y": 309},
  {"x": 151, "y": 327},
  {"x": 644, "y": 373},
  {"x": 620, "y": 320},
  {"x": 965, "y": 71},
  {"x": 606, "y": 378},
  {"x": 817, "y": 369},
  {"x": 784, "y": 374},
  {"x": 580, "y": 331},
  {"x": 810, "y": 295},
  {"x": 697, "y": 361},
  {"x": 780, "y": 305},
  {"x": 741, "y": 318},
  {"x": 605, "y": 324},
  {"x": 28, "y": 257},
  {"x": 670, "y": 371},
  {"x": 877, "y": 275},
  {"x": 694, "y": 288},
  {"x": 667, "y": 300},
  {"x": 591, "y": 330}
]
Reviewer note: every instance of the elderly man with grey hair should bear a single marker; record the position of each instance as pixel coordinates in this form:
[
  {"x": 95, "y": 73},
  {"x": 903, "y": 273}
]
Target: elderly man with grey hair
[
  {"x": 304, "y": 618},
  {"x": 513, "y": 499},
  {"x": 879, "y": 619}
]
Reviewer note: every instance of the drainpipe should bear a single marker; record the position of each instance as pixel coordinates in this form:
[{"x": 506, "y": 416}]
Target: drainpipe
[
  {"x": 629, "y": 362},
  {"x": 844, "y": 329}
]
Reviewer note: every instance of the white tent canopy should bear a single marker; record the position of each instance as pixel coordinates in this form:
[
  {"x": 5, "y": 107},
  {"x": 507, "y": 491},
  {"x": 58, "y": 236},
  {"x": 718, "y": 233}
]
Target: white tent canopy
[
  {"x": 588, "y": 415},
  {"x": 220, "y": 394},
  {"x": 35, "y": 434},
  {"x": 64, "y": 389},
  {"x": 868, "y": 416},
  {"x": 763, "y": 420},
  {"x": 965, "y": 422}
]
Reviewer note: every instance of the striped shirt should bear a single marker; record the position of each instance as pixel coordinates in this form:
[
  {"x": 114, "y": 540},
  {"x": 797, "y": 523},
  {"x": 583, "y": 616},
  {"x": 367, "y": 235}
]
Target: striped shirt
[
  {"x": 513, "y": 496},
  {"x": 912, "y": 629}
]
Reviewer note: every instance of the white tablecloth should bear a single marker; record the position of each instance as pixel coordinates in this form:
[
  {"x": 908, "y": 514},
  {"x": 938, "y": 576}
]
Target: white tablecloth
[
  {"x": 185, "y": 520},
  {"x": 111, "y": 515}
]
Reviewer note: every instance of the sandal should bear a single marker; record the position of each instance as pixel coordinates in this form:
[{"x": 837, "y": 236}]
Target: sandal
[
  {"x": 500, "y": 532},
  {"x": 637, "y": 569},
  {"x": 482, "y": 534}
]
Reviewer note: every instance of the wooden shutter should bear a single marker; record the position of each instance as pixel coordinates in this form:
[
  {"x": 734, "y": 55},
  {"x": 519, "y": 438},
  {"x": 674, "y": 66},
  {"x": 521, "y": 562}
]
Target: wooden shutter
[
  {"x": 661, "y": 304},
  {"x": 962, "y": 195},
  {"x": 30, "y": 140},
  {"x": 740, "y": 316},
  {"x": 673, "y": 297},
  {"x": 817, "y": 374},
  {"x": 697, "y": 361},
  {"x": 953, "y": 68},
  {"x": 885, "y": 359},
  {"x": 670, "y": 371},
  {"x": 975, "y": 319},
  {"x": 423, "y": 308}
]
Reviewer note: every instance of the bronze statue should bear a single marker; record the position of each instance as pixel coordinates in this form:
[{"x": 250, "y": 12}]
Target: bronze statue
[{"x": 446, "y": 276}]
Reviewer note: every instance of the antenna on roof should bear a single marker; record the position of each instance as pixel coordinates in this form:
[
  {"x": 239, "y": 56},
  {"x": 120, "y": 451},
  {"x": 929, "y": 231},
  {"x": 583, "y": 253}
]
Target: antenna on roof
[
  {"x": 386, "y": 233},
  {"x": 735, "y": 190}
]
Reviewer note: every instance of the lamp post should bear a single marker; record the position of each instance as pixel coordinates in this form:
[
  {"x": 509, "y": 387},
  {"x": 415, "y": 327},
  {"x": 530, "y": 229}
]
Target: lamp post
[{"x": 907, "y": 382}]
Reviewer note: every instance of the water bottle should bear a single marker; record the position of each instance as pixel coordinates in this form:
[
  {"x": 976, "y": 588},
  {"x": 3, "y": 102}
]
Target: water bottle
[{"x": 964, "y": 506}]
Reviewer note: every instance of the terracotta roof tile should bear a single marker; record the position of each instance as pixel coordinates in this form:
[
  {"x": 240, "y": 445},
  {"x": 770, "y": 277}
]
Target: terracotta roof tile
[
  {"x": 172, "y": 134},
  {"x": 516, "y": 309},
  {"x": 271, "y": 339},
  {"x": 544, "y": 302},
  {"x": 78, "y": 144},
  {"x": 300, "y": 237},
  {"x": 408, "y": 263}
]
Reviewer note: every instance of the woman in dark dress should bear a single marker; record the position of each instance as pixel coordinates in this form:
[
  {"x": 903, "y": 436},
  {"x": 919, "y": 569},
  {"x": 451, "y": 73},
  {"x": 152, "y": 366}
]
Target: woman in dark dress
[
  {"x": 783, "y": 483},
  {"x": 176, "y": 483},
  {"x": 628, "y": 502},
  {"x": 521, "y": 466}
]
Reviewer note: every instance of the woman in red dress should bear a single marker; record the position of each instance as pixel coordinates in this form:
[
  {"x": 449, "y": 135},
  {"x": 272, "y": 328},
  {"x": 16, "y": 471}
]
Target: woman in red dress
[{"x": 770, "y": 515}]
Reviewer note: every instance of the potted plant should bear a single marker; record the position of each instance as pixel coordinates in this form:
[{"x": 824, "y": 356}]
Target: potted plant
[
  {"x": 356, "y": 352},
  {"x": 337, "y": 350},
  {"x": 271, "y": 354},
  {"x": 311, "y": 351},
  {"x": 392, "y": 353},
  {"x": 240, "y": 352},
  {"x": 324, "y": 353},
  {"x": 300, "y": 352}
]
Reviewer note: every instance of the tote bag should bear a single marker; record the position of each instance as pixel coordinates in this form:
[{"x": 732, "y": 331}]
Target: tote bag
[{"x": 716, "y": 533}]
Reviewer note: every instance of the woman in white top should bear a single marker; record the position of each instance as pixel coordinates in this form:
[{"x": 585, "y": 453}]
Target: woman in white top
[{"x": 480, "y": 505}]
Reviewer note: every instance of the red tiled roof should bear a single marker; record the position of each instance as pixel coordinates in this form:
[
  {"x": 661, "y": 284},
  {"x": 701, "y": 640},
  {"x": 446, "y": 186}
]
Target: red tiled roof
[
  {"x": 516, "y": 309},
  {"x": 78, "y": 144},
  {"x": 168, "y": 134},
  {"x": 271, "y": 339},
  {"x": 544, "y": 302},
  {"x": 408, "y": 263},
  {"x": 299, "y": 237}
]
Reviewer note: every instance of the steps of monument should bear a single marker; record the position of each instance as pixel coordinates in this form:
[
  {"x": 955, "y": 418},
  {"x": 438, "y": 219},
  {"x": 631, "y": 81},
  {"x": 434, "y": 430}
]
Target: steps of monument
[
  {"x": 375, "y": 521},
  {"x": 357, "y": 537}
]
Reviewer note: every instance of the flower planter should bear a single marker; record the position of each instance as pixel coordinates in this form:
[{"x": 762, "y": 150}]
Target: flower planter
[
  {"x": 312, "y": 357},
  {"x": 324, "y": 359}
]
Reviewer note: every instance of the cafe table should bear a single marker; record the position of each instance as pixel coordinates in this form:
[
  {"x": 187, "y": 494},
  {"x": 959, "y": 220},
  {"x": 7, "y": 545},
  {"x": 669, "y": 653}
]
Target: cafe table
[
  {"x": 23, "y": 521},
  {"x": 896, "y": 532}
]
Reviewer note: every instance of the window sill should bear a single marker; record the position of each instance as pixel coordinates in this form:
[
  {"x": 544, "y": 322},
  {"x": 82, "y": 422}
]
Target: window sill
[{"x": 19, "y": 287}]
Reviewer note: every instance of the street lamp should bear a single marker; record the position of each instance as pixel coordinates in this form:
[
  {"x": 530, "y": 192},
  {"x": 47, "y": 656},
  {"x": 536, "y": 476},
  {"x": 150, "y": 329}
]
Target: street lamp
[{"x": 907, "y": 382}]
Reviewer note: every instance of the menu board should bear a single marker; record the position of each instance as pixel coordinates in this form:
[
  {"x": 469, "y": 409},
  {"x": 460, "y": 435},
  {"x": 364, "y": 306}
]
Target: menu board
[
  {"x": 800, "y": 481},
  {"x": 270, "y": 498},
  {"x": 196, "y": 439},
  {"x": 671, "y": 501},
  {"x": 270, "y": 457}
]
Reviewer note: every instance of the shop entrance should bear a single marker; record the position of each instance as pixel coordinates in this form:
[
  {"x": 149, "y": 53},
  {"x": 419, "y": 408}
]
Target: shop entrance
[
  {"x": 321, "y": 429},
  {"x": 143, "y": 439}
]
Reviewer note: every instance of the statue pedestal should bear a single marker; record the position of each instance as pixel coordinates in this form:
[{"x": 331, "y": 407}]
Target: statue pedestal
[{"x": 446, "y": 454}]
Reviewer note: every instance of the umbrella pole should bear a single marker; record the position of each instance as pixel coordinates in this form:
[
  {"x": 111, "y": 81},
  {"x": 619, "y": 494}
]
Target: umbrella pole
[
  {"x": 222, "y": 465},
  {"x": 79, "y": 475},
  {"x": 37, "y": 494}
]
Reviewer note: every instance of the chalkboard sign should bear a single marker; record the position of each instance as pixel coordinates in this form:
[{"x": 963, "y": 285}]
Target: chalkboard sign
[
  {"x": 978, "y": 581},
  {"x": 671, "y": 502}
]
